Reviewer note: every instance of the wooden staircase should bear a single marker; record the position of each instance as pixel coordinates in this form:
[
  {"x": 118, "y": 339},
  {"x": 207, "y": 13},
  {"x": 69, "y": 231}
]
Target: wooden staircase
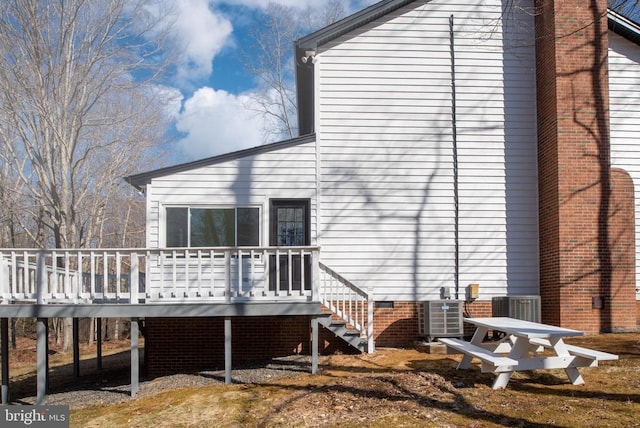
[
  {"x": 351, "y": 310},
  {"x": 349, "y": 335}
]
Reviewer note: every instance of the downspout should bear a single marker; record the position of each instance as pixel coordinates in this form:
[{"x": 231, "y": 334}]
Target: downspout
[{"x": 454, "y": 132}]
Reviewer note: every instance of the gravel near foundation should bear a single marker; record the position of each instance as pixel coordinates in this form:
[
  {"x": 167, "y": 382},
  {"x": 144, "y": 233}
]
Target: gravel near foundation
[{"x": 113, "y": 386}]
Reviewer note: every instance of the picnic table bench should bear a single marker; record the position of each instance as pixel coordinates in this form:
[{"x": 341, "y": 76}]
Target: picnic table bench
[
  {"x": 523, "y": 343},
  {"x": 493, "y": 360},
  {"x": 591, "y": 354}
]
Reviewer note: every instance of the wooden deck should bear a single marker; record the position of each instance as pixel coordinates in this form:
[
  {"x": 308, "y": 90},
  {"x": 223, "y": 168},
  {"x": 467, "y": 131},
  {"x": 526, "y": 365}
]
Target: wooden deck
[{"x": 146, "y": 283}]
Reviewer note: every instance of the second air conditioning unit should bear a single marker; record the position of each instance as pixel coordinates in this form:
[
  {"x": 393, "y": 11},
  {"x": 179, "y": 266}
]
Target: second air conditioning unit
[
  {"x": 520, "y": 307},
  {"x": 440, "y": 318}
]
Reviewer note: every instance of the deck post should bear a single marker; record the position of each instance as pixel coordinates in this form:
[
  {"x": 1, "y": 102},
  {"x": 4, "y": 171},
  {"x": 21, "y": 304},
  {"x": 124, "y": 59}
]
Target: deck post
[
  {"x": 134, "y": 279},
  {"x": 99, "y": 342},
  {"x": 135, "y": 368},
  {"x": 371, "y": 347},
  {"x": 41, "y": 277},
  {"x": 76, "y": 348},
  {"x": 227, "y": 276},
  {"x": 314, "y": 345},
  {"x": 227, "y": 351},
  {"x": 41, "y": 360},
  {"x": 315, "y": 275},
  {"x": 4, "y": 337},
  {"x": 5, "y": 285}
]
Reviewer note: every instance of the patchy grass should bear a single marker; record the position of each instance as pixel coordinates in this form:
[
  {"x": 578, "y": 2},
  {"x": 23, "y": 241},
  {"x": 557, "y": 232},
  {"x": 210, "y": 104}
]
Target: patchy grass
[{"x": 400, "y": 388}]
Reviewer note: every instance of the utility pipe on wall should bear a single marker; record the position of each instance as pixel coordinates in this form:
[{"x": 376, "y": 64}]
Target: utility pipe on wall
[{"x": 454, "y": 135}]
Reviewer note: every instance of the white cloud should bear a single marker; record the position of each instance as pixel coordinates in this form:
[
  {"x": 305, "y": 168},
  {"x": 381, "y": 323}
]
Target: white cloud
[
  {"x": 216, "y": 122},
  {"x": 171, "y": 98},
  {"x": 202, "y": 33},
  {"x": 263, "y": 3}
]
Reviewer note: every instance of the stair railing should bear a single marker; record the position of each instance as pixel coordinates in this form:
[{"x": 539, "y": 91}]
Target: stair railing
[{"x": 351, "y": 303}]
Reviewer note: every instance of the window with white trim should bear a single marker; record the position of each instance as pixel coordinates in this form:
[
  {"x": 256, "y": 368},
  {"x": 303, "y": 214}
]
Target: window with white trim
[{"x": 212, "y": 227}]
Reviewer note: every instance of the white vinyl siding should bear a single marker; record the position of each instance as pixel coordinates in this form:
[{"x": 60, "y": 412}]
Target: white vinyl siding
[
  {"x": 250, "y": 181},
  {"x": 384, "y": 128},
  {"x": 624, "y": 108}
]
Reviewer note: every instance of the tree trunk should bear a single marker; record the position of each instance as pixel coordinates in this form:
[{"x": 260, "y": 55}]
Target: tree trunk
[
  {"x": 13, "y": 333},
  {"x": 92, "y": 330},
  {"x": 67, "y": 334}
]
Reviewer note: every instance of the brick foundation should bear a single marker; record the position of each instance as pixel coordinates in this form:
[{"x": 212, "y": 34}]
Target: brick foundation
[
  {"x": 182, "y": 345},
  {"x": 397, "y": 327},
  {"x": 179, "y": 345},
  {"x": 477, "y": 309}
]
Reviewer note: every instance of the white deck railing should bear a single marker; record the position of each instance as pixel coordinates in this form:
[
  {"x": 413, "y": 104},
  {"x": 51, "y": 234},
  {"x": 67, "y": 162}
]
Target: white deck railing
[
  {"x": 145, "y": 275},
  {"x": 347, "y": 301},
  {"x": 182, "y": 275}
]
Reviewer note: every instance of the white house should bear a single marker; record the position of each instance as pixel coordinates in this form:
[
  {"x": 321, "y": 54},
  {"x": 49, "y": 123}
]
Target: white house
[
  {"x": 416, "y": 173},
  {"x": 442, "y": 143}
]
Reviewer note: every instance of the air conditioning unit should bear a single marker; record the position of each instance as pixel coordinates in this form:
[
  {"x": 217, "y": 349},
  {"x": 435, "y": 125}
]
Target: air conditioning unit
[
  {"x": 520, "y": 307},
  {"x": 440, "y": 318}
]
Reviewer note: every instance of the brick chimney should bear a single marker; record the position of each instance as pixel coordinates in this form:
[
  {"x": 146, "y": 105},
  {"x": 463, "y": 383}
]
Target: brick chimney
[{"x": 586, "y": 211}]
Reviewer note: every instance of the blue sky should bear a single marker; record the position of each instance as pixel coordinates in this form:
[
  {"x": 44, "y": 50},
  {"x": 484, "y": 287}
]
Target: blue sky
[{"x": 209, "y": 88}]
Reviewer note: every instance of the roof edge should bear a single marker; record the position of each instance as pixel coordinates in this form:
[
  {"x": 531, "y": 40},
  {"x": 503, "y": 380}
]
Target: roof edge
[
  {"x": 350, "y": 23},
  {"x": 141, "y": 180},
  {"x": 623, "y": 26},
  {"x": 617, "y": 23}
]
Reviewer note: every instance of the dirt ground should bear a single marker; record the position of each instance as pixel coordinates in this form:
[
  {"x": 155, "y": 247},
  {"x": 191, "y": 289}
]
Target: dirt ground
[{"x": 395, "y": 388}]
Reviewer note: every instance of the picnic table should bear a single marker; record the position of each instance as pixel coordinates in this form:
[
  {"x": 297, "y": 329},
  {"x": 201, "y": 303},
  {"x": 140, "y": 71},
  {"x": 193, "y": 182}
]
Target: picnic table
[{"x": 522, "y": 348}]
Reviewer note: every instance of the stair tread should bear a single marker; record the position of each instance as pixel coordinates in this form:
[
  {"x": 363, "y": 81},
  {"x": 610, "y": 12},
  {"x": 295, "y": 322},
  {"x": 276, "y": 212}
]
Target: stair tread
[{"x": 345, "y": 331}]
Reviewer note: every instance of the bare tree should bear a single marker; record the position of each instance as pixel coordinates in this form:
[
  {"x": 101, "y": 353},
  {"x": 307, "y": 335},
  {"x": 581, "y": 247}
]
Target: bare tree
[
  {"x": 79, "y": 111},
  {"x": 271, "y": 61},
  {"x": 8, "y": 204},
  {"x": 78, "y": 106},
  {"x": 312, "y": 18}
]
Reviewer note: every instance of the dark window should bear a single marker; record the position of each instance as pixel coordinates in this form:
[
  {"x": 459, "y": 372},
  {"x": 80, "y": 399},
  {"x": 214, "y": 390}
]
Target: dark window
[
  {"x": 177, "y": 227},
  {"x": 213, "y": 227},
  {"x": 289, "y": 222},
  {"x": 248, "y": 227},
  {"x": 291, "y": 226}
]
